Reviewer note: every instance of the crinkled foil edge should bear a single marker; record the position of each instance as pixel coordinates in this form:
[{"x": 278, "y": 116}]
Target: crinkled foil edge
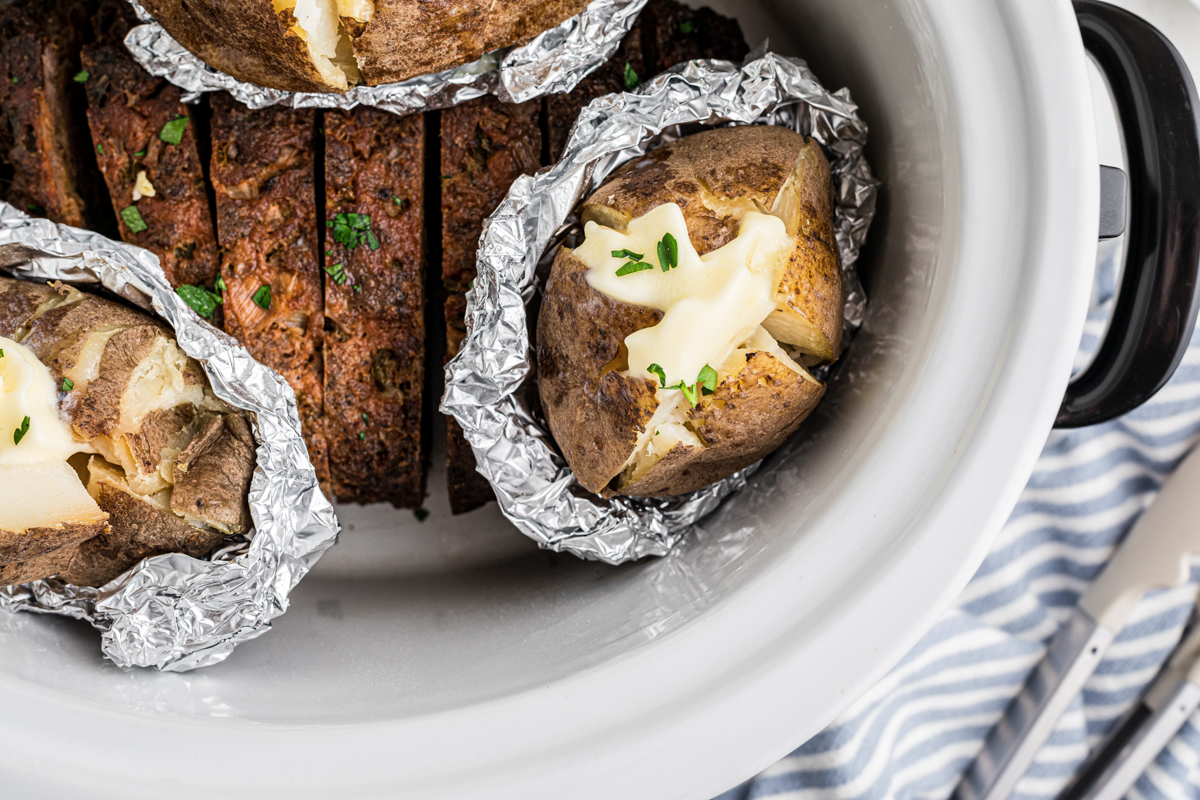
[
  {"x": 485, "y": 382},
  {"x": 173, "y": 612},
  {"x": 552, "y": 63}
]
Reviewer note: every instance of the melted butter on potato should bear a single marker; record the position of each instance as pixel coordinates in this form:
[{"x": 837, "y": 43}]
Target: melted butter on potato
[
  {"x": 711, "y": 304},
  {"x": 27, "y": 390},
  {"x": 38, "y": 488}
]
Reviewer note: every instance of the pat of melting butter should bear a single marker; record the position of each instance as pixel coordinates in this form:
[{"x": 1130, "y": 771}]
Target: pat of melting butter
[
  {"x": 711, "y": 304},
  {"x": 27, "y": 390}
]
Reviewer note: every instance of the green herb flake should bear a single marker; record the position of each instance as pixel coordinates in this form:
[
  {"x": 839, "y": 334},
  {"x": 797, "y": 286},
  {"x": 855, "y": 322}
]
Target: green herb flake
[
  {"x": 172, "y": 132},
  {"x": 362, "y": 436},
  {"x": 707, "y": 380},
  {"x": 82, "y": 76},
  {"x": 421, "y": 514},
  {"x": 15, "y": 81},
  {"x": 357, "y": 287},
  {"x": 668, "y": 253},
  {"x": 201, "y": 300},
  {"x": 34, "y": 208},
  {"x": 133, "y": 219},
  {"x": 220, "y": 284},
  {"x": 632, "y": 81},
  {"x": 627, "y": 254},
  {"x": 139, "y": 154},
  {"x": 687, "y": 26},
  {"x": 655, "y": 369},
  {"x": 67, "y": 385},
  {"x": 630, "y": 267},
  {"x": 262, "y": 298},
  {"x": 688, "y": 391},
  {"x": 365, "y": 418},
  {"x": 338, "y": 273},
  {"x": 1, "y": 352},
  {"x": 350, "y": 229},
  {"x": 20, "y": 432},
  {"x": 100, "y": 149}
]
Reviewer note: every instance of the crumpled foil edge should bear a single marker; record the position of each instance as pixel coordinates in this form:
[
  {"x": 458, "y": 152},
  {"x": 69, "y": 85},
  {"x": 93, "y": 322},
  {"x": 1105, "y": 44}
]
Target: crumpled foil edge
[
  {"x": 174, "y": 612},
  {"x": 551, "y": 63},
  {"x": 484, "y": 383}
]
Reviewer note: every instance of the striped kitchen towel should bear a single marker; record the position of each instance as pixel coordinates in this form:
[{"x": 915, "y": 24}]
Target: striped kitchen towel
[{"x": 916, "y": 732}]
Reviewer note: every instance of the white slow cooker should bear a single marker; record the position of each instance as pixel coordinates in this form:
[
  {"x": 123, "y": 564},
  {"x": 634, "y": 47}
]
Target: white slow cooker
[{"x": 452, "y": 659}]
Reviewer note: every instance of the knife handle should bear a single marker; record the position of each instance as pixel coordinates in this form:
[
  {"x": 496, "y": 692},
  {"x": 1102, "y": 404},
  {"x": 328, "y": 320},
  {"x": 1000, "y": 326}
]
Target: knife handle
[{"x": 1073, "y": 655}]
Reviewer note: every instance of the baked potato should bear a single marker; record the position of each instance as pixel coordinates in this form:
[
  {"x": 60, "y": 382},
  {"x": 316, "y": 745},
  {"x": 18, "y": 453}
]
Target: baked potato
[
  {"x": 331, "y": 45},
  {"x": 113, "y": 446},
  {"x": 673, "y": 342}
]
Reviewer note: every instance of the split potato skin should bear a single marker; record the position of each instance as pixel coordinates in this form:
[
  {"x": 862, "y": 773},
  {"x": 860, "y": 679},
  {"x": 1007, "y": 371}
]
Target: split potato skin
[
  {"x": 249, "y": 40},
  {"x": 595, "y": 409}
]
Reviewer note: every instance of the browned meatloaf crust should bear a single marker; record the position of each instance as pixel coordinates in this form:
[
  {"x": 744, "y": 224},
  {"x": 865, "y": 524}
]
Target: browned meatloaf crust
[
  {"x": 486, "y": 145},
  {"x": 263, "y": 178},
  {"x": 374, "y": 308},
  {"x": 127, "y": 111},
  {"x": 46, "y": 168}
]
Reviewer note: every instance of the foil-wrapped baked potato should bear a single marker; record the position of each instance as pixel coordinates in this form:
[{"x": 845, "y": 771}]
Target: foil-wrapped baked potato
[{"x": 673, "y": 342}]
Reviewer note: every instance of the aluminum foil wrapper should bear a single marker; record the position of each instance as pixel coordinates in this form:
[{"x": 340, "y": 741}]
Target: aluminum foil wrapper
[
  {"x": 174, "y": 612},
  {"x": 552, "y": 63},
  {"x": 486, "y": 381}
]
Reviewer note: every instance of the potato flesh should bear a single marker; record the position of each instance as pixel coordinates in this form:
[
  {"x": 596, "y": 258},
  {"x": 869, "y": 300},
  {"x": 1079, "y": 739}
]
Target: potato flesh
[{"x": 319, "y": 25}]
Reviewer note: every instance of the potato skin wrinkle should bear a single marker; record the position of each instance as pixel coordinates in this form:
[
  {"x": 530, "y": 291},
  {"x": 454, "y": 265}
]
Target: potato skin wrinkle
[{"x": 597, "y": 411}]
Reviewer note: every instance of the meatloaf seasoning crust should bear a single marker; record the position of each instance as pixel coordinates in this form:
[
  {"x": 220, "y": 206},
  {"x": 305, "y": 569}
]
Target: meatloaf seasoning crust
[
  {"x": 46, "y": 168},
  {"x": 486, "y": 145},
  {"x": 375, "y": 306},
  {"x": 144, "y": 140},
  {"x": 264, "y": 182}
]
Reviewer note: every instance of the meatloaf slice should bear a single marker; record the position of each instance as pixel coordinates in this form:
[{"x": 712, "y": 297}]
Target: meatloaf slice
[
  {"x": 145, "y": 143},
  {"x": 486, "y": 145},
  {"x": 674, "y": 33},
  {"x": 375, "y": 306},
  {"x": 46, "y": 166},
  {"x": 264, "y": 181}
]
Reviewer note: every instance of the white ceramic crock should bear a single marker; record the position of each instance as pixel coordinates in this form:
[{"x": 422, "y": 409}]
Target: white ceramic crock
[{"x": 451, "y": 659}]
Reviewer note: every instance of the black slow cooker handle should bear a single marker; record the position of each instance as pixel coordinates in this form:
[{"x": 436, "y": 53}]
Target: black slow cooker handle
[{"x": 1156, "y": 304}]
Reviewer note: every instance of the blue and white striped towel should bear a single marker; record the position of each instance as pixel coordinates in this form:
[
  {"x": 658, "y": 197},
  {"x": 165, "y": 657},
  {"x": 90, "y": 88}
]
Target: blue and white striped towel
[{"x": 916, "y": 732}]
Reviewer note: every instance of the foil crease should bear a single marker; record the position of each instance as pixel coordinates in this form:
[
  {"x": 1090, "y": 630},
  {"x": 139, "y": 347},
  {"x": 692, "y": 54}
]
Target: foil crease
[
  {"x": 552, "y": 63},
  {"x": 485, "y": 383},
  {"x": 174, "y": 612}
]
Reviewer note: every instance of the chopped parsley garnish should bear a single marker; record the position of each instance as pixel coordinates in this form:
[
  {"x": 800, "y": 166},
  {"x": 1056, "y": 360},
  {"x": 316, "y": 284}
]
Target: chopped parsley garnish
[
  {"x": 655, "y": 369},
  {"x": 67, "y": 385},
  {"x": 139, "y": 154},
  {"x": 627, "y": 254},
  {"x": 20, "y": 432},
  {"x": 362, "y": 436},
  {"x": 201, "y": 300},
  {"x": 365, "y": 418},
  {"x": 687, "y": 26},
  {"x": 668, "y": 253},
  {"x": 1, "y": 352},
  {"x": 421, "y": 514},
  {"x": 262, "y": 298},
  {"x": 351, "y": 229},
  {"x": 133, "y": 219},
  {"x": 358, "y": 287},
  {"x": 688, "y": 391},
  {"x": 34, "y": 208},
  {"x": 632, "y": 81},
  {"x": 632, "y": 266},
  {"x": 220, "y": 284},
  {"x": 100, "y": 149},
  {"x": 707, "y": 380},
  {"x": 398, "y": 201},
  {"x": 82, "y": 76},
  {"x": 338, "y": 273},
  {"x": 172, "y": 132}
]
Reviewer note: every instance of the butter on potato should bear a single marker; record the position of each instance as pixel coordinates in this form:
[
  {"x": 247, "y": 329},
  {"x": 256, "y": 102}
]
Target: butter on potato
[{"x": 660, "y": 381}]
